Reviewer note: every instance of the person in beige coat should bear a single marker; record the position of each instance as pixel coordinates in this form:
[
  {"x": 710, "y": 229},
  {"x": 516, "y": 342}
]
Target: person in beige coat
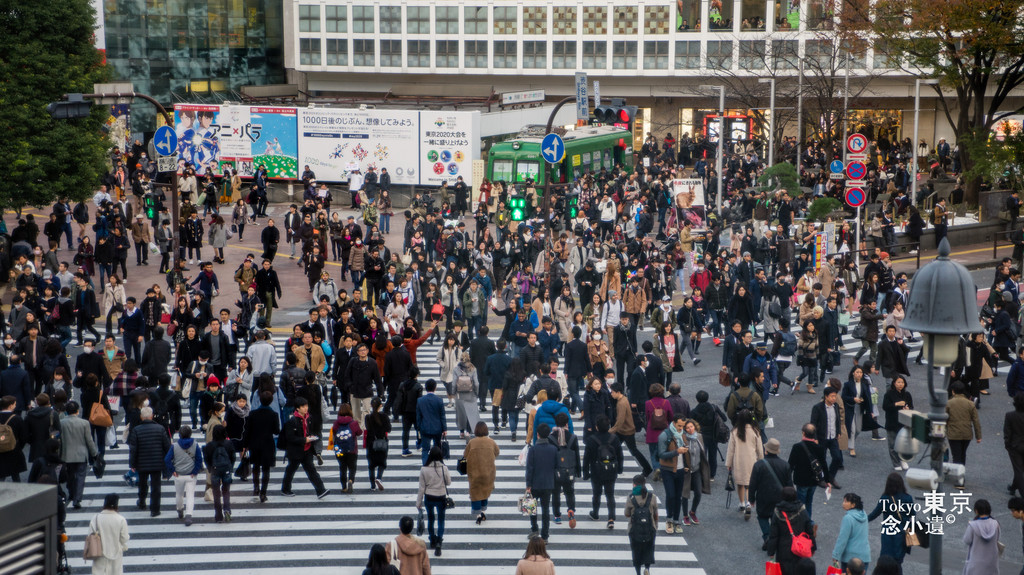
[
  {"x": 113, "y": 531},
  {"x": 744, "y": 450},
  {"x": 481, "y": 454},
  {"x": 536, "y": 560},
  {"x": 410, "y": 550}
]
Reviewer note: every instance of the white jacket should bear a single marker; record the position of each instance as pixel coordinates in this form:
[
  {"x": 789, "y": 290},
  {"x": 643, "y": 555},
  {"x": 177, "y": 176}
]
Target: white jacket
[{"x": 113, "y": 531}]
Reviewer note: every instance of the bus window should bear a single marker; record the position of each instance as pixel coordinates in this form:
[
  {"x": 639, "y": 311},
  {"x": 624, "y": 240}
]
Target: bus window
[
  {"x": 501, "y": 171},
  {"x": 527, "y": 169}
]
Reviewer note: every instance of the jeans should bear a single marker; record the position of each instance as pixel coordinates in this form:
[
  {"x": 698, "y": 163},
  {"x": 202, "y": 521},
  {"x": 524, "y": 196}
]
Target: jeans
[
  {"x": 347, "y": 465},
  {"x": 673, "y": 481},
  {"x": 221, "y": 494},
  {"x": 132, "y": 347},
  {"x": 765, "y": 525},
  {"x": 652, "y": 449},
  {"x": 385, "y": 223},
  {"x": 376, "y": 471},
  {"x": 608, "y": 487},
  {"x": 306, "y": 461},
  {"x": 630, "y": 442},
  {"x": 144, "y": 485},
  {"x": 408, "y": 421},
  {"x": 76, "y": 481},
  {"x": 809, "y": 374},
  {"x": 193, "y": 408},
  {"x": 569, "y": 488},
  {"x": 832, "y": 446},
  {"x": 806, "y": 496},
  {"x": 543, "y": 497},
  {"x": 435, "y": 505},
  {"x": 478, "y": 507},
  {"x": 716, "y": 322},
  {"x": 513, "y": 420},
  {"x": 426, "y": 442},
  {"x": 473, "y": 324},
  {"x": 575, "y": 385}
]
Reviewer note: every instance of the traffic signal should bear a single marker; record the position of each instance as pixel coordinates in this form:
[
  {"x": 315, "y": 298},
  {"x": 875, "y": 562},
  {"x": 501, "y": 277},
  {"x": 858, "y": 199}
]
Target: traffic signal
[
  {"x": 616, "y": 114},
  {"x": 74, "y": 107},
  {"x": 517, "y": 206},
  {"x": 572, "y": 205},
  {"x": 149, "y": 204}
]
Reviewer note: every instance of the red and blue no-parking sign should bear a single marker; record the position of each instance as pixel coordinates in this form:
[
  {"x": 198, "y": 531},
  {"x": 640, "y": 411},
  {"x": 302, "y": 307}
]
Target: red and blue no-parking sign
[
  {"x": 856, "y": 170},
  {"x": 855, "y": 197},
  {"x": 856, "y": 143}
]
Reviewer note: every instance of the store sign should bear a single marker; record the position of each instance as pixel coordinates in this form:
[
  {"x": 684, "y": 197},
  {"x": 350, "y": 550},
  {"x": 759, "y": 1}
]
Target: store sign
[{"x": 522, "y": 97}]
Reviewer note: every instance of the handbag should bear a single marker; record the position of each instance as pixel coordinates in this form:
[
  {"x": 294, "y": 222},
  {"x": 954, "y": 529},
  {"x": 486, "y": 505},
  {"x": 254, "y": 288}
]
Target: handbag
[
  {"x": 446, "y": 450},
  {"x": 171, "y": 328},
  {"x": 462, "y": 466},
  {"x": 772, "y": 568},
  {"x": 244, "y": 468},
  {"x": 496, "y": 397},
  {"x": 801, "y": 545},
  {"x": 98, "y": 414},
  {"x": 527, "y": 505},
  {"x": 521, "y": 458},
  {"x": 860, "y": 331},
  {"x": 93, "y": 545},
  {"x": 724, "y": 378},
  {"x": 420, "y": 527},
  {"x": 917, "y": 535},
  {"x": 98, "y": 467},
  {"x": 833, "y": 570},
  {"x": 437, "y": 309},
  {"x": 730, "y": 483},
  {"x": 844, "y": 319},
  {"x": 379, "y": 445}
]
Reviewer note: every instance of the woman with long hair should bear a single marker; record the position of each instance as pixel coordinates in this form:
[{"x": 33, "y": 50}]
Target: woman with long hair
[
  {"x": 113, "y": 300},
  {"x": 467, "y": 391},
  {"x": 181, "y": 318},
  {"x": 85, "y": 257},
  {"x": 375, "y": 441},
  {"x": 379, "y": 562},
  {"x": 448, "y": 356},
  {"x": 536, "y": 560},
  {"x": 896, "y": 399},
  {"x": 741, "y": 308},
  {"x": 433, "y": 493},
  {"x": 744, "y": 450},
  {"x": 807, "y": 349},
  {"x": 239, "y": 217},
  {"x": 450, "y": 299},
  {"x": 218, "y": 237},
  {"x": 239, "y": 382},
  {"x": 896, "y": 507}
]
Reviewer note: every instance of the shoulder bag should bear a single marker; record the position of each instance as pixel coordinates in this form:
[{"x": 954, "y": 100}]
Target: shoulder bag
[
  {"x": 93, "y": 545},
  {"x": 917, "y": 535},
  {"x": 98, "y": 414},
  {"x": 449, "y": 503},
  {"x": 801, "y": 545},
  {"x": 816, "y": 467}
]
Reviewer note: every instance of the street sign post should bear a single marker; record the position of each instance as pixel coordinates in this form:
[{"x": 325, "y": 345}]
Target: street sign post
[
  {"x": 836, "y": 167},
  {"x": 166, "y": 163},
  {"x": 552, "y": 148},
  {"x": 856, "y": 170},
  {"x": 165, "y": 141},
  {"x": 582, "y": 104},
  {"x": 855, "y": 197},
  {"x": 835, "y": 176},
  {"x": 857, "y": 143}
]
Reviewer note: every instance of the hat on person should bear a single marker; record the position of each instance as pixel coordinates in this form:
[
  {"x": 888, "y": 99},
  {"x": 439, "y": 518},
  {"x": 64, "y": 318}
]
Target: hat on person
[
  {"x": 884, "y": 255},
  {"x": 612, "y": 292},
  {"x": 138, "y": 216},
  {"x": 901, "y": 281},
  {"x": 666, "y": 298},
  {"x": 761, "y": 345},
  {"x": 212, "y": 381},
  {"x": 772, "y": 446}
]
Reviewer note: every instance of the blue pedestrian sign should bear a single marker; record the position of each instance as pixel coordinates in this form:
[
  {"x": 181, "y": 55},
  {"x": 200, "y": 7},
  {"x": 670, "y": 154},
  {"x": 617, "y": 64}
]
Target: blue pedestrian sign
[
  {"x": 165, "y": 141},
  {"x": 836, "y": 167},
  {"x": 552, "y": 148}
]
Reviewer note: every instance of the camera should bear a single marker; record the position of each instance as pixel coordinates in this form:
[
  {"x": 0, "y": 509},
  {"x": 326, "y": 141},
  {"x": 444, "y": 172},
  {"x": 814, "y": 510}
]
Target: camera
[{"x": 905, "y": 446}]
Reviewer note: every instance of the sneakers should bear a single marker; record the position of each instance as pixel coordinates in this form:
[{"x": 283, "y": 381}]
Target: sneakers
[
  {"x": 611, "y": 524},
  {"x": 325, "y": 493},
  {"x": 406, "y": 453},
  {"x": 656, "y": 476},
  {"x": 693, "y": 518},
  {"x": 572, "y": 519},
  {"x": 696, "y": 362},
  {"x": 746, "y": 512},
  {"x": 319, "y": 460},
  {"x": 288, "y": 493},
  {"x": 227, "y": 517},
  {"x": 348, "y": 488},
  {"x": 904, "y": 465},
  {"x": 593, "y": 515},
  {"x": 669, "y": 527},
  {"x": 380, "y": 486},
  {"x": 686, "y": 522},
  {"x": 558, "y": 519},
  {"x": 188, "y": 521}
]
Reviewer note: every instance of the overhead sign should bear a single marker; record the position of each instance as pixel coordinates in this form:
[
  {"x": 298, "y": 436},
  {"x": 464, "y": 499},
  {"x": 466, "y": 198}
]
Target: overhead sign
[
  {"x": 552, "y": 148},
  {"x": 856, "y": 170},
  {"x": 244, "y": 137},
  {"x": 855, "y": 197},
  {"x": 836, "y": 167},
  {"x": 857, "y": 143},
  {"x": 582, "y": 105},
  {"x": 166, "y": 163},
  {"x": 165, "y": 141},
  {"x": 522, "y": 97}
]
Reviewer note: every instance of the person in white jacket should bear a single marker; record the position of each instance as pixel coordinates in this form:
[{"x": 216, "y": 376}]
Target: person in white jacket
[{"x": 113, "y": 531}]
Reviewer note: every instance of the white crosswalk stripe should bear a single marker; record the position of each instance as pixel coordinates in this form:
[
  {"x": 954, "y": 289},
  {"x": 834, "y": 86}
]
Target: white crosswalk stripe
[{"x": 321, "y": 536}]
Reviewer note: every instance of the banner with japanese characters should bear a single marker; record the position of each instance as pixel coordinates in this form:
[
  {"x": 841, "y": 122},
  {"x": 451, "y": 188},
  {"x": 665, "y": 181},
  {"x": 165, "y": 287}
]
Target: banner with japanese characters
[
  {"x": 449, "y": 143},
  {"x": 245, "y": 137},
  {"x": 688, "y": 201}
]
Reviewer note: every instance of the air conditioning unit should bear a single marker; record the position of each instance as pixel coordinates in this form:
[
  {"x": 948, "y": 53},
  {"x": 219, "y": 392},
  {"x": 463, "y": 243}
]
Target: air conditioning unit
[{"x": 28, "y": 541}]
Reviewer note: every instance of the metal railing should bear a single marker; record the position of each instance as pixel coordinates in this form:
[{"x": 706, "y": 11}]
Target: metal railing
[
  {"x": 1005, "y": 234},
  {"x": 906, "y": 255}
]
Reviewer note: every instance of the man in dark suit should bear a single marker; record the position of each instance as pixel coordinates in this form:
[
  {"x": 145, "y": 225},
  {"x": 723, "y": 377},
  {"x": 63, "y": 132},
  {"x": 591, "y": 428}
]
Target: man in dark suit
[
  {"x": 638, "y": 384},
  {"x": 430, "y": 419},
  {"x": 577, "y": 368},
  {"x": 15, "y": 382},
  {"x": 397, "y": 364},
  {"x": 655, "y": 368},
  {"x": 299, "y": 450},
  {"x": 1013, "y": 441},
  {"x": 479, "y": 350},
  {"x": 892, "y": 354},
  {"x": 827, "y": 423},
  {"x": 624, "y": 347}
]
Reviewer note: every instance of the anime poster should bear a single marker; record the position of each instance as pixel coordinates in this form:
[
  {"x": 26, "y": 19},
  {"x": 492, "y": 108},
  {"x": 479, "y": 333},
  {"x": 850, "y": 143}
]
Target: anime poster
[
  {"x": 688, "y": 201},
  {"x": 244, "y": 137},
  {"x": 199, "y": 137},
  {"x": 119, "y": 127}
]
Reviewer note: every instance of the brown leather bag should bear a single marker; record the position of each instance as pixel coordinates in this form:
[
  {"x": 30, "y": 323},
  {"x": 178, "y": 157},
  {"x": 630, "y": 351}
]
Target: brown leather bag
[
  {"x": 98, "y": 415},
  {"x": 724, "y": 378}
]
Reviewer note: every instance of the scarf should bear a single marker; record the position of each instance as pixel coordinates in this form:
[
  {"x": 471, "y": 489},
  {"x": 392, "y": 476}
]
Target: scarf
[
  {"x": 676, "y": 435},
  {"x": 638, "y": 490}
]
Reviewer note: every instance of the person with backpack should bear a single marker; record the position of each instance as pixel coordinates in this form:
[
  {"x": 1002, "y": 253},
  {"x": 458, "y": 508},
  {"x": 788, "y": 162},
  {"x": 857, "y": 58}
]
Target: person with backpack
[
  {"x": 658, "y": 416},
  {"x": 789, "y": 521},
  {"x": 13, "y": 437},
  {"x": 784, "y": 349},
  {"x": 166, "y": 404},
  {"x": 375, "y": 441},
  {"x": 767, "y": 479},
  {"x": 481, "y": 454},
  {"x": 642, "y": 511},
  {"x": 714, "y": 428},
  {"x": 602, "y": 464},
  {"x": 568, "y": 468},
  {"x": 744, "y": 397},
  {"x": 183, "y": 462},
  {"x": 220, "y": 457},
  {"x": 467, "y": 388},
  {"x": 541, "y": 463},
  {"x": 346, "y": 449}
]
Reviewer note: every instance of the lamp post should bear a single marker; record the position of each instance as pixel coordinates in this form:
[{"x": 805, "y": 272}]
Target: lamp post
[
  {"x": 942, "y": 306},
  {"x": 913, "y": 148},
  {"x": 721, "y": 141},
  {"x": 771, "y": 120}
]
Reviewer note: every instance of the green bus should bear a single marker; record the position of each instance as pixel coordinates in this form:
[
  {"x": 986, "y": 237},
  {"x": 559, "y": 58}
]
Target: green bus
[{"x": 589, "y": 148}]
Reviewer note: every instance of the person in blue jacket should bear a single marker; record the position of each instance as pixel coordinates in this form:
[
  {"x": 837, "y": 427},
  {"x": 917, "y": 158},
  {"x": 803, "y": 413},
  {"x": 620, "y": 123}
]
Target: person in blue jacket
[
  {"x": 896, "y": 507},
  {"x": 520, "y": 329},
  {"x": 548, "y": 340},
  {"x": 546, "y": 414},
  {"x": 541, "y": 461},
  {"x": 494, "y": 370},
  {"x": 131, "y": 324},
  {"x": 430, "y": 419},
  {"x": 766, "y": 363},
  {"x": 852, "y": 541},
  {"x": 1015, "y": 378}
]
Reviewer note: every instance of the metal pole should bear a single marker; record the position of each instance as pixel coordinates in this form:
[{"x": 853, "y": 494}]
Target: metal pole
[
  {"x": 846, "y": 109},
  {"x": 799, "y": 119},
  {"x": 546, "y": 200},
  {"x": 771, "y": 127},
  {"x": 172, "y": 260},
  {"x": 938, "y": 445},
  {"x": 721, "y": 147},
  {"x": 913, "y": 144},
  {"x": 856, "y": 253}
]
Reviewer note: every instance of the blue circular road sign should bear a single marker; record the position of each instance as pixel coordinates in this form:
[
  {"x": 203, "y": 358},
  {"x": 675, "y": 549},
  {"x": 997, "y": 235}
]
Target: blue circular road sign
[
  {"x": 855, "y": 197},
  {"x": 165, "y": 141},
  {"x": 552, "y": 148},
  {"x": 836, "y": 167},
  {"x": 856, "y": 170}
]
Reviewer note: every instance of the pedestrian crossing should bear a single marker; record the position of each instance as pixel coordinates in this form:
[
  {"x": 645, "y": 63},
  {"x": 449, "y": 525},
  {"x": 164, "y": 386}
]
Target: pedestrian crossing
[{"x": 334, "y": 535}]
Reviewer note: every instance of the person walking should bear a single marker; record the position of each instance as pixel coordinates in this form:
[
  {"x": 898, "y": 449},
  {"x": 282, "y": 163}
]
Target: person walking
[
  {"x": 602, "y": 464},
  {"x": 375, "y": 442},
  {"x": 568, "y": 468},
  {"x": 625, "y": 428},
  {"x": 298, "y": 445},
  {"x": 743, "y": 451},
  {"x": 408, "y": 550},
  {"x": 982, "y": 540},
  {"x": 683, "y": 471},
  {"x": 258, "y": 442},
  {"x": 963, "y": 424},
  {"x": 642, "y": 512},
  {"x": 1013, "y": 442},
  {"x": 536, "y": 560},
  {"x": 481, "y": 455},
  {"x": 827, "y": 421},
  {"x": 897, "y": 398},
  {"x": 148, "y": 443},
  {"x": 112, "y": 528},
  {"x": 344, "y": 442},
  {"x": 896, "y": 507},
  {"x": 860, "y": 411},
  {"x": 789, "y": 519},
  {"x": 76, "y": 449},
  {"x": 430, "y": 419},
  {"x": 852, "y": 541},
  {"x": 467, "y": 388},
  {"x": 184, "y": 461},
  {"x": 541, "y": 462},
  {"x": 767, "y": 480},
  {"x": 220, "y": 457},
  {"x": 433, "y": 492}
]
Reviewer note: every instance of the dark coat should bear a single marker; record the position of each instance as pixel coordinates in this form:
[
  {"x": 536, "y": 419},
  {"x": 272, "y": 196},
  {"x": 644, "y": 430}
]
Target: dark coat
[
  {"x": 13, "y": 462},
  {"x": 430, "y": 419},
  {"x": 14, "y": 381},
  {"x": 820, "y": 420},
  {"x": 800, "y": 461},
  {"x": 894, "y": 545},
  {"x": 479, "y": 350},
  {"x": 541, "y": 460},
  {"x": 889, "y": 400},
  {"x": 38, "y": 422},
  {"x": 155, "y": 359},
  {"x": 892, "y": 358},
  {"x": 780, "y": 542},
  {"x": 851, "y": 391},
  {"x": 596, "y": 404},
  {"x": 294, "y": 439},
  {"x": 592, "y": 444},
  {"x": 92, "y": 363},
  {"x": 494, "y": 370},
  {"x": 148, "y": 442},
  {"x": 577, "y": 360},
  {"x": 262, "y": 425},
  {"x": 397, "y": 364},
  {"x": 362, "y": 377},
  {"x": 766, "y": 487},
  {"x": 638, "y": 387}
]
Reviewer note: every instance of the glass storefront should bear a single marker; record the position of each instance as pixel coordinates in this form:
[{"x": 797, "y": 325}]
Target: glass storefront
[{"x": 192, "y": 49}]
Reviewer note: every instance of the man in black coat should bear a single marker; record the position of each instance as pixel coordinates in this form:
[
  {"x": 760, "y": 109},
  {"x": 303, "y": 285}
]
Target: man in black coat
[
  {"x": 655, "y": 368},
  {"x": 827, "y": 424},
  {"x": 767, "y": 478},
  {"x": 892, "y": 355},
  {"x": 297, "y": 440},
  {"x": 624, "y": 347},
  {"x": 15, "y": 382},
  {"x": 577, "y": 368},
  {"x": 637, "y": 388},
  {"x": 800, "y": 457},
  {"x": 157, "y": 355},
  {"x": 148, "y": 442},
  {"x": 397, "y": 365},
  {"x": 90, "y": 361},
  {"x": 479, "y": 350},
  {"x": 363, "y": 379}
]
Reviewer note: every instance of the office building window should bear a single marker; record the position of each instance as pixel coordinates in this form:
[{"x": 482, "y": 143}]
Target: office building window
[
  {"x": 752, "y": 55},
  {"x": 391, "y": 53},
  {"x": 819, "y": 54},
  {"x": 419, "y": 53},
  {"x": 337, "y": 19},
  {"x": 785, "y": 54},
  {"x": 476, "y": 53},
  {"x": 564, "y": 20},
  {"x": 688, "y": 16},
  {"x": 655, "y": 55},
  {"x": 337, "y": 52},
  {"x": 309, "y": 18},
  {"x": 505, "y": 54},
  {"x": 719, "y": 54},
  {"x": 309, "y": 51},
  {"x": 535, "y": 20},
  {"x": 390, "y": 19},
  {"x": 362, "y": 19},
  {"x": 656, "y": 19},
  {"x": 624, "y": 20},
  {"x": 753, "y": 14},
  {"x": 883, "y": 58},
  {"x": 446, "y": 19},
  {"x": 688, "y": 55},
  {"x": 624, "y": 55},
  {"x": 535, "y": 54},
  {"x": 595, "y": 20},
  {"x": 475, "y": 19},
  {"x": 595, "y": 54},
  {"x": 563, "y": 54},
  {"x": 417, "y": 19},
  {"x": 363, "y": 53},
  {"x": 447, "y": 53},
  {"x": 505, "y": 20}
]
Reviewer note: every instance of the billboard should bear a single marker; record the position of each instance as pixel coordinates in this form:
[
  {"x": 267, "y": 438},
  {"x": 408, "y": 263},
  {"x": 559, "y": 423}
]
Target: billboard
[
  {"x": 688, "y": 199},
  {"x": 417, "y": 148},
  {"x": 210, "y": 137}
]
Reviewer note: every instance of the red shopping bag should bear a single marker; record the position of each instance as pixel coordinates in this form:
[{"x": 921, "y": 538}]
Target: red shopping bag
[
  {"x": 772, "y": 568},
  {"x": 833, "y": 571}
]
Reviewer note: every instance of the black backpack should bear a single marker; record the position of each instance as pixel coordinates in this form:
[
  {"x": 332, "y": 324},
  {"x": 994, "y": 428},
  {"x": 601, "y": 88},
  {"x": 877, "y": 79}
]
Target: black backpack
[
  {"x": 160, "y": 408},
  {"x": 641, "y": 522},
  {"x": 788, "y": 347},
  {"x": 221, "y": 459},
  {"x": 742, "y": 402},
  {"x": 607, "y": 465},
  {"x": 565, "y": 464}
]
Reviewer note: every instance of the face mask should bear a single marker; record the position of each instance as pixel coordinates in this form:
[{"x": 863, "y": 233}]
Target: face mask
[
  {"x": 597, "y": 337},
  {"x": 9, "y": 342},
  {"x": 87, "y": 349},
  {"x": 202, "y": 363}
]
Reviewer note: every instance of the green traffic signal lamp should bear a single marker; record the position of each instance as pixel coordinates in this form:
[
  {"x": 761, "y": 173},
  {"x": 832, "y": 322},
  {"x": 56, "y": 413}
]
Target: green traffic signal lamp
[{"x": 518, "y": 209}]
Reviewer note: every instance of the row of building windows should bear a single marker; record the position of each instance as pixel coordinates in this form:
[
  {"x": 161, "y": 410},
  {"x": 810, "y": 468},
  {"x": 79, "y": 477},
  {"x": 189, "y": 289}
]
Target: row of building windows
[
  {"x": 819, "y": 55},
  {"x": 596, "y": 20}
]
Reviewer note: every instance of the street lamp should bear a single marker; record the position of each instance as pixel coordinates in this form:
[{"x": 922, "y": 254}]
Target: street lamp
[
  {"x": 771, "y": 120},
  {"x": 721, "y": 140},
  {"x": 942, "y": 306},
  {"x": 913, "y": 147}
]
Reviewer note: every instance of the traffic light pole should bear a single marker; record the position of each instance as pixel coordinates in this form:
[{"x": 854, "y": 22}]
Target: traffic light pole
[
  {"x": 174, "y": 174},
  {"x": 546, "y": 201}
]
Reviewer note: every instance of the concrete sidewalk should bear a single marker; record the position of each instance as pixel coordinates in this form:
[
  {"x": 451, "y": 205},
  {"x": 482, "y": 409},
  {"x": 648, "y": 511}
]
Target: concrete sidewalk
[{"x": 972, "y": 256}]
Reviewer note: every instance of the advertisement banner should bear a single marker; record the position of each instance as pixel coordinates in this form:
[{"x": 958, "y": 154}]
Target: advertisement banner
[
  {"x": 688, "y": 199},
  {"x": 242, "y": 136},
  {"x": 119, "y": 127},
  {"x": 331, "y": 141},
  {"x": 449, "y": 142}
]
